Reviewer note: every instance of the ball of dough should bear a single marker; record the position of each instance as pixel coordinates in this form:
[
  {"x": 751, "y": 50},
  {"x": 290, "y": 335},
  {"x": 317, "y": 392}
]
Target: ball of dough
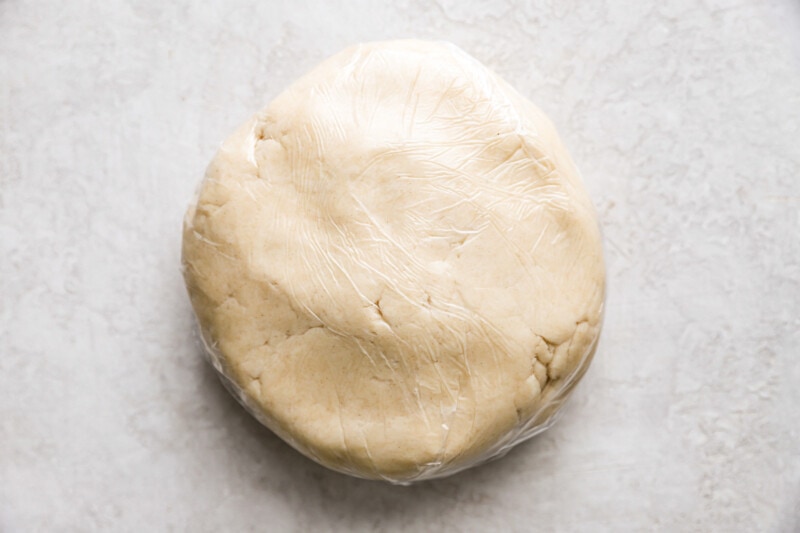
[{"x": 395, "y": 265}]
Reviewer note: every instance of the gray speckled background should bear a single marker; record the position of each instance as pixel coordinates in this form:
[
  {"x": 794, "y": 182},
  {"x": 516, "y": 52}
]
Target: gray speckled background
[{"x": 684, "y": 116}]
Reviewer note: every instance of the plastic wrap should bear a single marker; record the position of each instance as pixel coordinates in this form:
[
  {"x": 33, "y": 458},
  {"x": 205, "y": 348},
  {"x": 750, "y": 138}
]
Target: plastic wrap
[{"x": 395, "y": 266}]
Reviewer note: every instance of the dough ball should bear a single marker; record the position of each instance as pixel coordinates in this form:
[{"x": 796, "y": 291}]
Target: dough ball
[{"x": 395, "y": 265}]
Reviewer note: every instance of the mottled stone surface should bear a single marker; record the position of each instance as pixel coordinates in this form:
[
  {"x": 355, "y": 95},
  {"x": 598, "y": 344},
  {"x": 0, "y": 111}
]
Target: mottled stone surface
[{"x": 684, "y": 117}]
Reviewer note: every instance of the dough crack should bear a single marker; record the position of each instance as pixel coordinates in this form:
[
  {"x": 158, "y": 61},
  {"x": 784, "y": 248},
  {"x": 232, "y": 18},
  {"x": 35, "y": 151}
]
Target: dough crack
[{"x": 379, "y": 310}]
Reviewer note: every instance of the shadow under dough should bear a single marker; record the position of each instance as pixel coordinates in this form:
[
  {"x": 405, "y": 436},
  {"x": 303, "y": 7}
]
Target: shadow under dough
[{"x": 270, "y": 460}]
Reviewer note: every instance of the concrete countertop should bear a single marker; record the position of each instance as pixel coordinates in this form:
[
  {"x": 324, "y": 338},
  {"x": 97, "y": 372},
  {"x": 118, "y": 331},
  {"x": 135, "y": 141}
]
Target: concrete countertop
[{"x": 684, "y": 117}]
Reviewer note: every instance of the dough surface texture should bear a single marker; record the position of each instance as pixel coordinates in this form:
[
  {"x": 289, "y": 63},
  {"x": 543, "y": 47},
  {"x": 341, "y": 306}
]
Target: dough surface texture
[{"x": 395, "y": 265}]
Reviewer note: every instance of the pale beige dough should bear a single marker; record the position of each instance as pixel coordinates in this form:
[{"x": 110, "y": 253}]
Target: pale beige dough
[{"x": 395, "y": 263}]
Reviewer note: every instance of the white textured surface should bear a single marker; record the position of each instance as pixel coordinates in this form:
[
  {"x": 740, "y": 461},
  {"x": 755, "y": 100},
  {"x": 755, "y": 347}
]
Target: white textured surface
[{"x": 685, "y": 119}]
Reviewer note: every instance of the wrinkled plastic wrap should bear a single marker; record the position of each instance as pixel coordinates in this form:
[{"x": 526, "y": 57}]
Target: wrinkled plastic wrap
[{"x": 395, "y": 266}]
